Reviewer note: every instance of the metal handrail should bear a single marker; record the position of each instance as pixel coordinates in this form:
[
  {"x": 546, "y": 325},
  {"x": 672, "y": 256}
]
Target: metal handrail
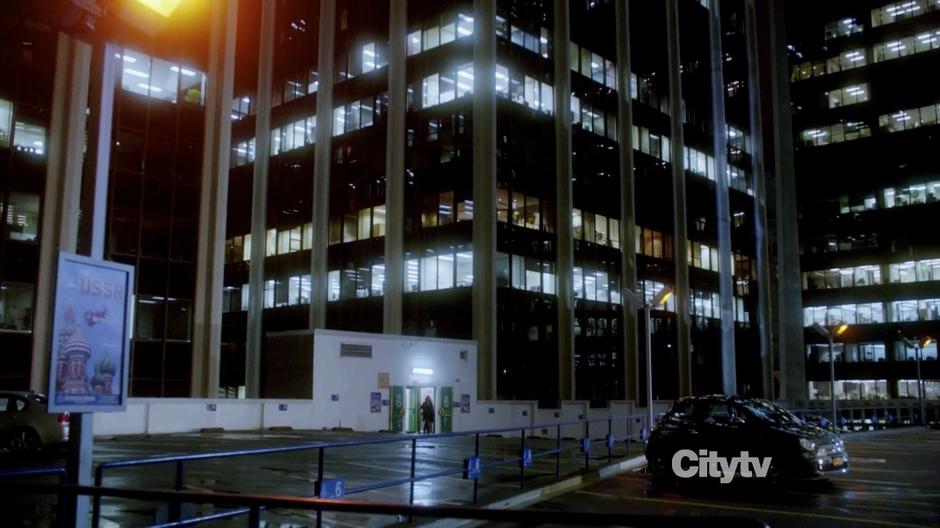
[
  {"x": 321, "y": 448},
  {"x": 254, "y": 504}
]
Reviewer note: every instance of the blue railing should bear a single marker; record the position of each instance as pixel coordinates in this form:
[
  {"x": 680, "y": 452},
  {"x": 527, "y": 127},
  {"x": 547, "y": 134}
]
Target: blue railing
[
  {"x": 255, "y": 504},
  {"x": 868, "y": 417},
  {"x": 632, "y": 423}
]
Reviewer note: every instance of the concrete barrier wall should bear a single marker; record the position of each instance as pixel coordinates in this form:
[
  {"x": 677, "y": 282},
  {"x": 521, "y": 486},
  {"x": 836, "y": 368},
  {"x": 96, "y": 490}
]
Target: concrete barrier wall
[{"x": 182, "y": 415}]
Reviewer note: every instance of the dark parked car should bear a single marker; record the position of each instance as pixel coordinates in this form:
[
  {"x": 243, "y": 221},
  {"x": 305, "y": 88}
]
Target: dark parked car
[
  {"x": 26, "y": 426},
  {"x": 728, "y": 437}
]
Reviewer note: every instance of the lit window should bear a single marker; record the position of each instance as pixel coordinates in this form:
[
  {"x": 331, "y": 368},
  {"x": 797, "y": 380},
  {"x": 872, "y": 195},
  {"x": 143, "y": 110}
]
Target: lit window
[
  {"x": 29, "y": 138},
  {"x": 6, "y": 122},
  {"x": 22, "y": 216},
  {"x": 332, "y": 285},
  {"x": 16, "y": 306},
  {"x": 411, "y": 275}
]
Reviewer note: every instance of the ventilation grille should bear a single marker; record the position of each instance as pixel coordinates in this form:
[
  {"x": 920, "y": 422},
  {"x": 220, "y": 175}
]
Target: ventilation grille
[{"x": 357, "y": 351}]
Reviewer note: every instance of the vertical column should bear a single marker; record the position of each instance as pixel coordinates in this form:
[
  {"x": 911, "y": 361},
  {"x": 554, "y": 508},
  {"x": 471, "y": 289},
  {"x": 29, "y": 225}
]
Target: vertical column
[
  {"x": 213, "y": 201},
  {"x": 98, "y": 166},
  {"x": 789, "y": 296},
  {"x": 564, "y": 242},
  {"x": 764, "y": 318},
  {"x": 259, "y": 202},
  {"x": 60, "y": 203},
  {"x": 395, "y": 169},
  {"x": 723, "y": 206},
  {"x": 680, "y": 233},
  {"x": 59, "y": 232},
  {"x": 631, "y": 367},
  {"x": 484, "y": 194},
  {"x": 321, "y": 168}
]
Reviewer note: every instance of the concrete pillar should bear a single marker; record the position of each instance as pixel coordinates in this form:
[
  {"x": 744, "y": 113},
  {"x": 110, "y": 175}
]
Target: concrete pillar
[
  {"x": 213, "y": 202},
  {"x": 722, "y": 202},
  {"x": 789, "y": 295},
  {"x": 321, "y": 168},
  {"x": 395, "y": 169},
  {"x": 484, "y": 195},
  {"x": 680, "y": 233},
  {"x": 631, "y": 366},
  {"x": 102, "y": 84},
  {"x": 764, "y": 317},
  {"x": 564, "y": 241},
  {"x": 259, "y": 202},
  {"x": 62, "y": 194}
]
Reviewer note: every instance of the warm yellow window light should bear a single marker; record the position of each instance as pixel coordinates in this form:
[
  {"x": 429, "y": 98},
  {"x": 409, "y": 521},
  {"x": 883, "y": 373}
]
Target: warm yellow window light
[
  {"x": 842, "y": 328},
  {"x": 163, "y": 7}
]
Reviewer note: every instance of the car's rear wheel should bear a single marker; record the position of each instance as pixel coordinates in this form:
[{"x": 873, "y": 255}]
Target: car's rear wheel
[
  {"x": 658, "y": 468},
  {"x": 24, "y": 440}
]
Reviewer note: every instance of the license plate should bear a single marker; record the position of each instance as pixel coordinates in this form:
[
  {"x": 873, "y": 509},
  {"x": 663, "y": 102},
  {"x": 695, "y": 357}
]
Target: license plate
[{"x": 837, "y": 461}]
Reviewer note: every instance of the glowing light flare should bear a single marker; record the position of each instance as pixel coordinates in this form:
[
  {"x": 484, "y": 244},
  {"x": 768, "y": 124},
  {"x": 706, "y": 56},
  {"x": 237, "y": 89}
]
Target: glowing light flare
[{"x": 163, "y": 8}]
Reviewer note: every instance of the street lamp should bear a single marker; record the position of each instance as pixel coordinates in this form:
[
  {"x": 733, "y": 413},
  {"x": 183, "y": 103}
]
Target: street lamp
[
  {"x": 918, "y": 346},
  {"x": 828, "y": 334},
  {"x": 637, "y": 301}
]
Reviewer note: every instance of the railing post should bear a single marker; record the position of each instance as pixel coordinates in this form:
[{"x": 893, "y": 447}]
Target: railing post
[
  {"x": 587, "y": 452},
  {"x": 558, "y": 452},
  {"x": 476, "y": 481},
  {"x": 60, "y": 505},
  {"x": 629, "y": 434},
  {"x": 610, "y": 447},
  {"x": 522, "y": 459},
  {"x": 254, "y": 516},
  {"x": 414, "y": 450},
  {"x": 176, "y": 509},
  {"x": 319, "y": 483},
  {"x": 96, "y": 500}
]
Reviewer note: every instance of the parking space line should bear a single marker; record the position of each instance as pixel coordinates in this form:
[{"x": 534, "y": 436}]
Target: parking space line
[
  {"x": 881, "y": 482},
  {"x": 762, "y": 510}
]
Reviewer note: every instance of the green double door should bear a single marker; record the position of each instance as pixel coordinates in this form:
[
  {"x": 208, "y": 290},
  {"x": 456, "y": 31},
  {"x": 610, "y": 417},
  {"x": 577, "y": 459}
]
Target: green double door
[
  {"x": 405, "y": 415},
  {"x": 446, "y": 409}
]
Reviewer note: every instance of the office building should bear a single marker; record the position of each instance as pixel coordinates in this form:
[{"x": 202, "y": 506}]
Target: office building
[
  {"x": 868, "y": 178},
  {"x": 495, "y": 170}
]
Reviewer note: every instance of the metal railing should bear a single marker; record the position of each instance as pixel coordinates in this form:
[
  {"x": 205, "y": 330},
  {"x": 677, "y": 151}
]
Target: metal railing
[
  {"x": 853, "y": 417},
  {"x": 635, "y": 427},
  {"x": 255, "y": 504}
]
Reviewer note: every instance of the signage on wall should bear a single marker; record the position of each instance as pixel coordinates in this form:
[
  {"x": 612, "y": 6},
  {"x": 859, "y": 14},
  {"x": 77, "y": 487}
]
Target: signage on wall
[
  {"x": 375, "y": 402},
  {"x": 464, "y": 403},
  {"x": 383, "y": 380},
  {"x": 90, "y": 341}
]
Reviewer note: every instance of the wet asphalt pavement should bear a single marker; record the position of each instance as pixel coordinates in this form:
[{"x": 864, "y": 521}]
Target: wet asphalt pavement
[
  {"x": 295, "y": 473},
  {"x": 894, "y": 480}
]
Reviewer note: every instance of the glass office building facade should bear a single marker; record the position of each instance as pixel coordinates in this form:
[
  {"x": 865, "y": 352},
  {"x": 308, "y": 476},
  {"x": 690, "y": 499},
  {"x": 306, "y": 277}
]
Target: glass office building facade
[
  {"x": 865, "y": 130},
  {"x": 477, "y": 170},
  {"x": 495, "y": 170}
]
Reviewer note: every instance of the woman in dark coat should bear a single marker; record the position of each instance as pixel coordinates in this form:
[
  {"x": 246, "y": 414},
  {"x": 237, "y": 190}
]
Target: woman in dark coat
[{"x": 427, "y": 415}]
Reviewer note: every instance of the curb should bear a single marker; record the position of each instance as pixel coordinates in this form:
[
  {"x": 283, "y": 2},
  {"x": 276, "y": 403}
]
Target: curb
[{"x": 544, "y": 493}]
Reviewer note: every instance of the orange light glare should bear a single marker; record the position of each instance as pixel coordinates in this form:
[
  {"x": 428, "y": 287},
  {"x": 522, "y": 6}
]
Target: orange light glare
[{"x": 162, "y": 7}]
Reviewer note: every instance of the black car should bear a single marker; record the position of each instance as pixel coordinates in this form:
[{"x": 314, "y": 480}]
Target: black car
[{"x": 725, "y": 438}]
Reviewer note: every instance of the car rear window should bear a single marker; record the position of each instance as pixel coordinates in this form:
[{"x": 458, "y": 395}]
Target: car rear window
[{"x": 682, "y": 410}]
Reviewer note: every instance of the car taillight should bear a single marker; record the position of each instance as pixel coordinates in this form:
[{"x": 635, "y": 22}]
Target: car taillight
[{"x": 63, "y": 418}]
